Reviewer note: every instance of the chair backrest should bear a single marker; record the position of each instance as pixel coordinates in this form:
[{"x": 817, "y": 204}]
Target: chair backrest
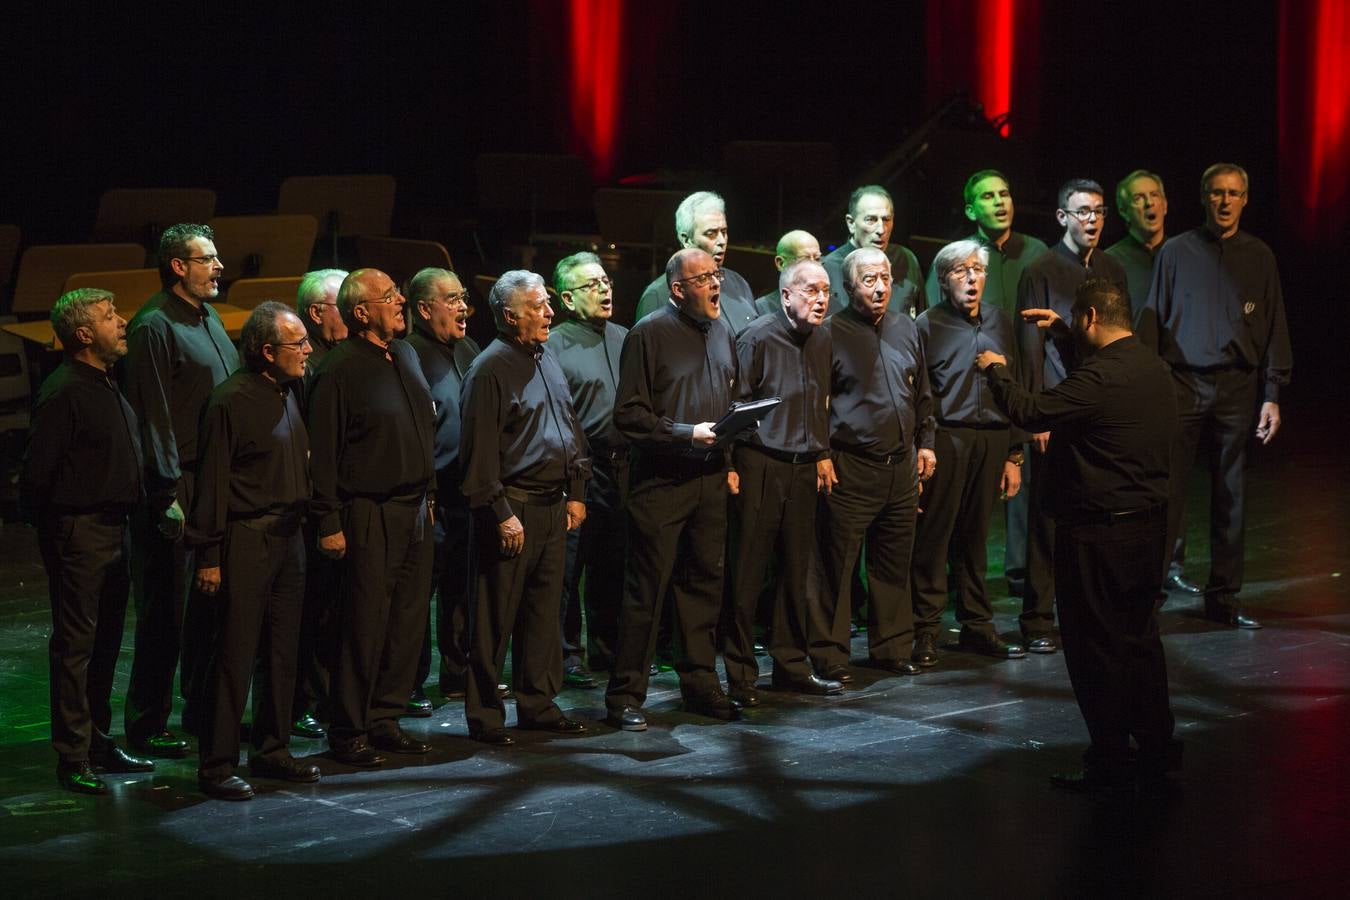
[
  {"x": 637, "y": 218},
  {"x": 131, "y": 287},
  {"x": 10, "y": 237},
  {"x": 265, "y": 246},
  {"x": 44, "y": 268},
  {"x": 247, "y": 293},
  {"x": 401, "y": 258},
  {"x": 141, "y": 214},
  {"x": 14, "y": 384},
  {"x": 342, "y": 204}
]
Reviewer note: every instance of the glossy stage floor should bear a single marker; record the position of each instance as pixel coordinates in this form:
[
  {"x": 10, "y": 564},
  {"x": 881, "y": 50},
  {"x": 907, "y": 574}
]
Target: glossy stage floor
[{"x": 928, "y": 786}]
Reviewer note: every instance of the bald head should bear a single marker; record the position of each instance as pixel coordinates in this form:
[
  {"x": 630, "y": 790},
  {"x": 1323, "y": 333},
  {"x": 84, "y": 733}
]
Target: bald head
[{"x": 794, "y": 246}]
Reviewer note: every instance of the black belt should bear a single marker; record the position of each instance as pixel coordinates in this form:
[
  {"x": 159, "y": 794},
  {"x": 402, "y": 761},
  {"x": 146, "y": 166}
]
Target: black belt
[
  {"x": 784, "y": 455},
  {"x": 282, "y": 523},
  {"x": 535, "y": 498},
  {"x": 890, "y": 459},
  {"x": 1121, "y": 517}
]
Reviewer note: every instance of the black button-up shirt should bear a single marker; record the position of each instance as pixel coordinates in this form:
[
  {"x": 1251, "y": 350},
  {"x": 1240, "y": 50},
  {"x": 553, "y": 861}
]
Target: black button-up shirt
[
  {"x": 777, "y": 360},
  {"x": 254, "y": 461},
  {"x": 1049, "y": 283},
  {"x": 1137, "y": 261},
  {"x": 1218, "y": 303},
  {"x": 907, "y": 290},
  {"x": 737, "y": 300},
  {"x": 588, "y": 352},
  {"x": 950, "y": 341},
  {"x": 880, "y": 402},
  {"x": 444, "y": 366},
  {"x": 519, "y": 428},
  {"x": 370, "y": 428}
]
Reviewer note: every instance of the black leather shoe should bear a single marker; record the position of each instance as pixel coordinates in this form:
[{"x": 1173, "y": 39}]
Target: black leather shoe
[
  {"x": 231, "y": 787},
  {"x": 495, "y": 737},
  {"x": 356, "y": 753},
  {"x": 990, "y": 646},
  {"x": 307, "y": 727},
  {"x": 503, "y": 691},
  {"x": 287, "y": 768},
  {"x": 925, "y": 650},
  {"x": 653, "y": 670},
  {"x": 894, "y": 666},
  {"x": 1233, "y": 616},
  {"x": 1089, "y": 781},
  {"x": 165, "y": 745},
  {"x": 840, "y": 674},
  {"x": 629, "y": 718},
  {"x": 714, "y": 706},
  {"x": 811, "y": 684},
  {"x": 561, "y": 725},
  {"x": 1181, "y": 585},
  {"x": 399, "y": 742},
  {"x": 115, "y": 759},
  {"x": 743, "y": 695},
  {"x": 578, "y": 676},
  {"x": 1042, "y": 645},
  {"x": 419, "y": 707},
  {"x": 80, "y": 778}
]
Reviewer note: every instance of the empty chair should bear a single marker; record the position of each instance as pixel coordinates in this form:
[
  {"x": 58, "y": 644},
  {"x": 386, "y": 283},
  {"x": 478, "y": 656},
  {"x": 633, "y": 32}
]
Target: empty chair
[
  {"x": 264, "y": 246},
  {"x": 141, "y": 214},
  {"x": 247, "y": 293},
  {"x": 344, "y": 205},
  {"x": 131, "y": 287},
  {"x": 401, "y": 258},
  {"x": 44, "y": 268},
  {"x": 14, "y": 384}
]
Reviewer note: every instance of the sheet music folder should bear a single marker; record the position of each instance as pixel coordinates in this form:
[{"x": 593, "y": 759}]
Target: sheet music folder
[{"x": 742, "y": 417}]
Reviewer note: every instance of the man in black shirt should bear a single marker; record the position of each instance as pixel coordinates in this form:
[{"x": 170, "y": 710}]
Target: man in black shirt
[
  {"x": 1113, "y": 421},
  {"x": 793, "y": 246},
  {"x": 701, "y": 222},
  {"x": 677, "y": 377},
  {"x": 439, "y": 309},
  {"x": 371, "y": 427},
  {"x": 1215, "y": 314},
  {"x": 588, "y": 347},
  {"x": 870, "y": 220},
  {"x": 881, "y": 435},
  {"x": 525, "y": 471},
  {"x": 177, "y": 353},
  {"x": 1049, "y": 283},
  {"x": 81, "y": 477},
  {"x": 244, "y": 525},
  {"x": 980, "y": 458},
  {"x": 782, "y": 466},
  {"x": 316, "y": 304}
]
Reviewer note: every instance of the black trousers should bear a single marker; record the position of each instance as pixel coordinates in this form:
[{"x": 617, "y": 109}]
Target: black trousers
[
  {"x": 316, "y": 655},
  {"x": 957, "y": 502},
  {"x": 258, "y": 613},
  {"x": 453, "y": 578},
  {"x": 85, "y": 555},
  {"x": 596, "y": 551},
  {"x": 386, "y": 580},
  {"x": 1038, "y": 593},
  {"x": 678, "y": 511},
  {"x": 1109, "y": 579},
  {"x": 517, "y": 602},
  {"x": 876, "y": 501},
  {"x": 1015, "y": 533},
  {"x": 776, "y": 508},
  {"x": 1217, "y": 412}
]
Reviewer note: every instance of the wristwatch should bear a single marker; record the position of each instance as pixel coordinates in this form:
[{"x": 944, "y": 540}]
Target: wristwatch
[{"x": 1016, "y": 457}]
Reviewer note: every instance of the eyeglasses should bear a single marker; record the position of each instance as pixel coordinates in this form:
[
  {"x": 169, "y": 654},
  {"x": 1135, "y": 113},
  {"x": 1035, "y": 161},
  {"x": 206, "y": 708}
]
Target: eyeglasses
[
  {"x": 1084, "y": 214},
  {"x": 454, "y": 301},
  {"x": 705, "y": 279},
  {"x": 390, "y": 298},
  {"x": 816, "y": 291},
  {"x": 871, "y": 279},
  {"x": 964, "y": 271},
  {"x": 207, "y": 260},
  {"x": 593, "y": 285},
  {"x": 303, "y": 342},
  {"x": 1229, "y": 194}
]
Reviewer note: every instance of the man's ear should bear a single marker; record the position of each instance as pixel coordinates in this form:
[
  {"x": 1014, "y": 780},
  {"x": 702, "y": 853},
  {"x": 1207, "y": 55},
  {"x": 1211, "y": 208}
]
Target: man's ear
[
  {"x": 970, "y": 212},
  {"x": 361, "y": 314},
  {"x": 315, "y": 313},
  {"x": 269, "y": 353},
  {"x": 85, "y": 335},
  {"x": 567, "y": 301},
  {"x": 178, "y": 267}
]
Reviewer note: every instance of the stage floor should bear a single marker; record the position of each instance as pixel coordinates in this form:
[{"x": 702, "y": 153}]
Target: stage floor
[{"x": 927, "y": 786}]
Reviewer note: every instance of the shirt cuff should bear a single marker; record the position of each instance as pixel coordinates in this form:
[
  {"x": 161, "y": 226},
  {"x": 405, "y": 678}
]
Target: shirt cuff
[
  {"x": 501, "y": 508},
  {"x": 1272, "y": 393}
]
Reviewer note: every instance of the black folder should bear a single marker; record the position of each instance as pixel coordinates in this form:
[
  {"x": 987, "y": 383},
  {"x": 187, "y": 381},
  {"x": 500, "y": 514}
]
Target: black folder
[{"x": 741, "y": 418}]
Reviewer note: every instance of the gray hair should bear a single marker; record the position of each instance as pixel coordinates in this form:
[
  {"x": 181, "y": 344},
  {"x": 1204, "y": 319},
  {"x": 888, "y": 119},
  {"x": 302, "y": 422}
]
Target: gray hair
[
  {"x": 419, "y": 286},
  {"x": 689, "y": 207},
  {"x": 568, "y": 264},
  {"x": 173, "y": 244},
  {"x": 261, "y": 328},
  {"x": 789, "y": 273},
  {"x": 955, "y": 253},
  {"x": 865, "y": 191},
  {"x": 860, "y": 257},
  {"x": 1222, "y": 169},
  {"x": 1123, "y": 188},
  {"x": 311, "y": 288},
  {"x": 74, "y": 309},
  {"x": 509, "y": 286}
]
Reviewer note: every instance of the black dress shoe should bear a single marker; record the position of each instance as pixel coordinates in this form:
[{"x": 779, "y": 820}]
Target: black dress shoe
[
  {"x": 307, "y": 727},
  {"x": 653, "y": 670},
  {"x": 1091, "y": 781},
  {"x": 165, "y": 745},
  {"x": 399, "y": 742},
  {"x": 1180, "y": 584},
  {"x": 715, "y": 706},
  {"x": 925, "y": 650},
  {"x": 230, "y": 787},
  {"x": 503, "y": 691},
  {"x": 1042, "y": 645},
  {"x": 561, "y": 725},
  {"x": 839, "y": 673},
  {"x": 811, "y": 684},
  {"x": 628, "y": 718},
  {"x": 356, "y": 753},
  {"x": 496, "y": 737},
  {"x": 894, "y": 666},
  {"x": 80, "y": 778},
  {"x": 287, "y": 768},
  {"x": 743, "y": 695},
  {"x": 115, "y": 759},
  {"x": 578, "y": 676},
  {"x": 1232, "y": 616},
  {"x": 989, "y": 646},
  {"x": 419, "y": 707}
]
